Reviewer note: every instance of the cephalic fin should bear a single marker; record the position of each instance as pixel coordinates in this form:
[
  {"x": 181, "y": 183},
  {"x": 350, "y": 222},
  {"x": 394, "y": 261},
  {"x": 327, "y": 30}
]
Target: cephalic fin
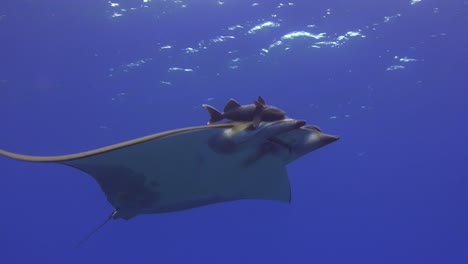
[
  {"x": 280, "y": 143},
  {"x": 215, "y": 115},
  {"x": 231, "y": 105},
  {"x": 266, "y": 148},
  {"x": 313, "y": 127}
]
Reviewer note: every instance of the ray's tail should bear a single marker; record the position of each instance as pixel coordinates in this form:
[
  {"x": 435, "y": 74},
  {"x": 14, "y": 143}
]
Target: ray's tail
[{"x": 110, "y": 217}]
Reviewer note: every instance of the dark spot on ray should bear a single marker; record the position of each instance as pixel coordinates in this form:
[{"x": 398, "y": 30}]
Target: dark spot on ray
[{"x": 123, "y": 187}]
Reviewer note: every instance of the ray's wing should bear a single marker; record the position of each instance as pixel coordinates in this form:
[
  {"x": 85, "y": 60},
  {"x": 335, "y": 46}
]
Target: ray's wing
[{"x": 175, "y": 170}]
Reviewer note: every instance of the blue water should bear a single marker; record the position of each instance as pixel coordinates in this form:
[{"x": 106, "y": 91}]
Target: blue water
[{"x": 389, "y": 77}]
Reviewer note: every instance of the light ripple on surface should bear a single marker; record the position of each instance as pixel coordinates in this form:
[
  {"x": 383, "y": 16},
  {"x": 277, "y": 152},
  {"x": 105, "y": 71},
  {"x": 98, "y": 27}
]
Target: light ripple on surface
[
  {"x": 178, "y": 69},
  {"x": 268, "y": 24},
  {"x": 239, "y": 32}
]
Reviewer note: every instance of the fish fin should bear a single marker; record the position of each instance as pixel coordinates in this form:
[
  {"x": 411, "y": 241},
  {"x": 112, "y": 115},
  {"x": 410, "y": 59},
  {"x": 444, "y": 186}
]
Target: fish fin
[
  {"x": 215, "y": 115},
  {"x": 258, "y": 104},
  {"x": 257, "y": 115},
  {"x": 110, "y": 217},
  {"x": 261, "y": 100},
  {"x": 256, "y": 121},
  {"x": 231, "y": 105}
]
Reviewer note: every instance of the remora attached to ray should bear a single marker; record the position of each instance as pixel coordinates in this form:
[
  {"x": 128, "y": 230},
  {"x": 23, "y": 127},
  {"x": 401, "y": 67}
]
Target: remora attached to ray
[
  {"x": 257, "y": 112},
  {"x": 195, "y": 166}
]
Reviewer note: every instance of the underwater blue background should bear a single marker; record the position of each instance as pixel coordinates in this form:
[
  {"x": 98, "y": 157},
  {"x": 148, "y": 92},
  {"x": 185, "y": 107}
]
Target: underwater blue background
[{"x": 389, "y": 77}]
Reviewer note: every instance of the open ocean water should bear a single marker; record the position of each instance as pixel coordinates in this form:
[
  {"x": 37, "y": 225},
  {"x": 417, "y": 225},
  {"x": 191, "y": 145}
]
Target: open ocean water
[{"x": 389, "y": 77}]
